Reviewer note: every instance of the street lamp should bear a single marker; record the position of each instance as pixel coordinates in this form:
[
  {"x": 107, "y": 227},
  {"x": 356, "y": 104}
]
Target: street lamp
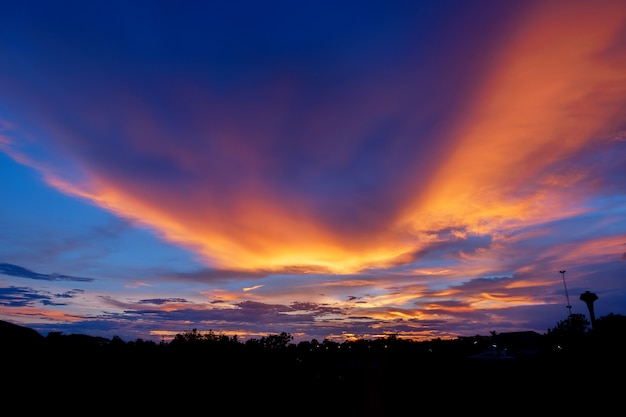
[{"x": 569, "y": 306}]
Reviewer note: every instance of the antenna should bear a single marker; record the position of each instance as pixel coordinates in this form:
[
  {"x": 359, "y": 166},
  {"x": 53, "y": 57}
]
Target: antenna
[{"x": 569, "y": 306}]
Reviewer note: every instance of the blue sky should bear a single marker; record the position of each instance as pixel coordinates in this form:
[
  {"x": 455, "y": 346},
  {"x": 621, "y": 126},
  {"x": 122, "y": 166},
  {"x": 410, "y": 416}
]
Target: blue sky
[{"x": 333, "y": 170}]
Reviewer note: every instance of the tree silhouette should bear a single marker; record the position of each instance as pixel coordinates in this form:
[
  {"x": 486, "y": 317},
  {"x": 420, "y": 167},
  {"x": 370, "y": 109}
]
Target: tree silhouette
[{"x": 568, "y": 334}]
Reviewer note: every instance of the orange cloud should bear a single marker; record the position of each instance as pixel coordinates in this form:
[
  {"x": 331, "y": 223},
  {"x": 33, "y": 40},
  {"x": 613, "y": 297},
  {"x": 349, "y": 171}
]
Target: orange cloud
[
  {"x": 556, "y": 87},
  {"x": 36, "y": 314}
]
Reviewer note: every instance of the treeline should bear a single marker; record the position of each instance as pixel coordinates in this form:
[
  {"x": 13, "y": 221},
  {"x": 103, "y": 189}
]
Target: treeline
[
  {"x": 215, "y": 373},
  {"x": 574, "y": 335}
]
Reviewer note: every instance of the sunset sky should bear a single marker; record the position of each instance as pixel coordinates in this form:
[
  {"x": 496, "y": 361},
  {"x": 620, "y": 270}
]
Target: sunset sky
[{"x": 333, "y": 170}]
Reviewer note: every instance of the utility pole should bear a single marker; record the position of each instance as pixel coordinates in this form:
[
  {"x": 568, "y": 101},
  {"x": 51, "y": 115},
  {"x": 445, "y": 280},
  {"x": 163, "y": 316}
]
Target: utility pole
[{"x": 569, "y": 306}]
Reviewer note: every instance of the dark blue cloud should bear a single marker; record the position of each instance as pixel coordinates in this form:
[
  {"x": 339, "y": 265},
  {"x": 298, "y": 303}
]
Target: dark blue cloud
[
  {"x": 160, "y": 301},
  {"x": 26, "y": 296},
  {"x": 18, "y": 271},
  {"x": 21, "y": 297}
]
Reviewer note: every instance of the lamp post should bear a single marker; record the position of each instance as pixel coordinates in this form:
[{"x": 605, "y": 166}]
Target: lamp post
[{"x": 569, "y": 306}]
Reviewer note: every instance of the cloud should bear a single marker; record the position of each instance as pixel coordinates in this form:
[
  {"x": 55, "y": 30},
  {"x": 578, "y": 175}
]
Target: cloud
[
  {"x": 18, "y": 271},
  {"x": 13, "y": 297},
  {"x": 256, "y": 180},
  {"x": 21, "y": 296},
  {"x": 161, "y": 301},
  {"x": 391, "y": 180}
]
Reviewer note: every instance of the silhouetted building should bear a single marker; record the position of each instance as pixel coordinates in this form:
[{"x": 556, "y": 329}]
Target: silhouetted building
[{"x": 589, "y": 298}]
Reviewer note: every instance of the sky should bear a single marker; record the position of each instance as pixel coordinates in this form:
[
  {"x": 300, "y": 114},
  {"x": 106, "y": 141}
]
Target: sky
[{"x": 335, "y": 170}]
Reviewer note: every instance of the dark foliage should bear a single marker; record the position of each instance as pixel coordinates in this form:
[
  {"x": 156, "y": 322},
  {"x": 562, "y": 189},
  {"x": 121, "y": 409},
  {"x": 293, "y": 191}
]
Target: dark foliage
[{"x": 203, "y": 371}]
